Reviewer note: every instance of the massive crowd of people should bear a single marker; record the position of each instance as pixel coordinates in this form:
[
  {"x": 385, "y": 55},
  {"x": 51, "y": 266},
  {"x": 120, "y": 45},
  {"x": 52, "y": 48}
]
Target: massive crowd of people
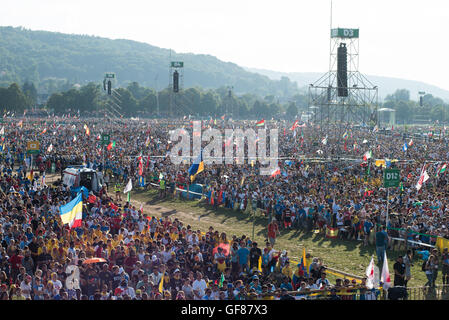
[{"x": 322, "y": 184}]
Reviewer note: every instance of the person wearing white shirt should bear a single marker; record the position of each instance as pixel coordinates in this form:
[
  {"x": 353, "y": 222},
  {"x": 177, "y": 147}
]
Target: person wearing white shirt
[{"x": 199, "y": 286}]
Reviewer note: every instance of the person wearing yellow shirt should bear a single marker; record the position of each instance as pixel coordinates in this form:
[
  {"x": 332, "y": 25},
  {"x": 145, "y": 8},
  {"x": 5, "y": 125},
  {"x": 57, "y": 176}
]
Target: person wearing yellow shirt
[
  {"x": 50, "y": 245},
  {"x": 266, "y": 295},
  {"x": 286, "y": 270}
]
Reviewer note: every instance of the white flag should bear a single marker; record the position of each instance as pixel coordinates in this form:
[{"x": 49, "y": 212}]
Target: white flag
[
  {"x": 422, "y": 178},
  {"x": 50, "y": 148},
  {"x": 324, "y": 141},
  {"x": 385, "y": 277},
  {"x": 2, "y": 131},
  {"x": 372, "y": 275},
  {"x": 128, "y": 187}
]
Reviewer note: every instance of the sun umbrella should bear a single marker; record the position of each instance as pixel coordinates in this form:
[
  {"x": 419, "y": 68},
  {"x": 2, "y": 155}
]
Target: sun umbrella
[{"x": 225, "y": 248}]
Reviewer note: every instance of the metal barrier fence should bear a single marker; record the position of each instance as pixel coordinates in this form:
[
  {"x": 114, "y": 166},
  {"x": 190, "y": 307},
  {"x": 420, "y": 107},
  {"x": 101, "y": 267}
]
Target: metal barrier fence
[{"x": 440, "y": 292}]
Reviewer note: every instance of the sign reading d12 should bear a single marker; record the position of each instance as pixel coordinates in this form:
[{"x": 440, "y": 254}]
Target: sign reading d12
[
  {"x": 33, "y": 147},
  {"x": 391, "y": 178}
]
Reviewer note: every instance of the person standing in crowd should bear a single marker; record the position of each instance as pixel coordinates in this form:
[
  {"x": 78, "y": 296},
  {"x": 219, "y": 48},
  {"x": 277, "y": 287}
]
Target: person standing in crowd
[
  {"x": 399, "y": 272},
  {"x": 273, "y": 231},
  {"x": 408, "y": 262},
  {"x": 445, "y": 266},
  {"x": 382, "y": 242}
]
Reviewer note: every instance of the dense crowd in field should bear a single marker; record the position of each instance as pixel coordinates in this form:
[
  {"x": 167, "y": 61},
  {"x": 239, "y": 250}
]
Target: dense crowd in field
[{"x": 319, "y": 186}]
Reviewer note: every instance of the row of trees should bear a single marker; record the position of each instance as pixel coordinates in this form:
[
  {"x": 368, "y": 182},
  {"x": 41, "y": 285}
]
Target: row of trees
[
  {"x": 136, "y": 100},
  {"x": 16, "y": 99},
  {"x": 409, "y": 111}
]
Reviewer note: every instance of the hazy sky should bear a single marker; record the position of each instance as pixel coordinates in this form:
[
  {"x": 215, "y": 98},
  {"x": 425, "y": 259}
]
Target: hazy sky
[{"x": 398, "y": 38}]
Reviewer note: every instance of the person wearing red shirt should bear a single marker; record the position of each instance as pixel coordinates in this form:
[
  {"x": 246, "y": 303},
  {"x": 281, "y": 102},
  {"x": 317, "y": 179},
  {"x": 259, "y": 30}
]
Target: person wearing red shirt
[
  {"x": 273, "y": 231},
  {"x": 130, "y": 262},
  {"x": 16, "y": 262}
]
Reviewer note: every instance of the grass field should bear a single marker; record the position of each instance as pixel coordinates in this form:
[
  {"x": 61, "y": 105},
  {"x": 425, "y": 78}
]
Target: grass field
[{"x": 347, "y": 256}]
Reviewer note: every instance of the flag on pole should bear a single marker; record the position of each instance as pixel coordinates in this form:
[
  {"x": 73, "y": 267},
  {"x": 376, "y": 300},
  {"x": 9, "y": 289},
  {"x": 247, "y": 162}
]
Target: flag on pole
[
  {"x": 324, "y": 141},
  {"x": 128, "y": 187},
  {"x": 295, "y": 125},
  {"x": 197, "y": 166},
  {"x": 345, "y": 135},
  {"x": 404, "y": 147},
  {"x": 275, "y": 172},
  {"x": 385, "y": 277},
  {"x": 422, "y": 178},
  {"x": 222, "y": 279},
  {"x": 43, "y": 131},
  {"x": 410, "y": 143},
  {"x": 74, "y": 138},
  {"x": 367, "y": 155},
  {"x": 260, "y": 123},
  {"x": 2, "y": 131},
  {"x": 147, "y": 142},
  {"x": 50, "y": 148},
  {"x": 376, "y": 128},
  {"x": 72, "y": 212},
  {"x": 441, "y": 169},
  {"x": 161, "y": 284},
  {"x": 372, "y": 275},
  {"x": 303, "y": 263},
  {"x": 111, "y": 145}
]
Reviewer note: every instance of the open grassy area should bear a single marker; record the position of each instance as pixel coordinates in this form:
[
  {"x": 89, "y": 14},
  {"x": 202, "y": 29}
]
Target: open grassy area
[{"x": 347, "y": 256}]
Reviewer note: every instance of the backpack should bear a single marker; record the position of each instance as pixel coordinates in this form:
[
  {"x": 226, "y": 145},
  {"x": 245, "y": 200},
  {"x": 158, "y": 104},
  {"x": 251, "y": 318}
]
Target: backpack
[{"x": 423, "y": 267}]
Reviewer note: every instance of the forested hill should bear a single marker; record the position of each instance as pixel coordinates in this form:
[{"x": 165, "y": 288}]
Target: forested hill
[{"x": 45, "y": 57}]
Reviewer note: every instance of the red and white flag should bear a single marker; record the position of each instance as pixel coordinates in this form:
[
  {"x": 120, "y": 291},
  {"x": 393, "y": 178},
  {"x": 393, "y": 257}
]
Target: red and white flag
[
  {"x": 275, "y": 172},
  {"x": 422, "y": 178},
  {"x": 385, "y": 277},
  {"x": 372, "y": 275},
  {"x": 295, "y": 125}
]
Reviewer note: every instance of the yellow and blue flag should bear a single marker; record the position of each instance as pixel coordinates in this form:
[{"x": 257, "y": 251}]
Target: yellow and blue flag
[
  {"x": 303, "y": 263},
  {"x": 72, "y": 212},
  {"x": 196, "y": 167}
]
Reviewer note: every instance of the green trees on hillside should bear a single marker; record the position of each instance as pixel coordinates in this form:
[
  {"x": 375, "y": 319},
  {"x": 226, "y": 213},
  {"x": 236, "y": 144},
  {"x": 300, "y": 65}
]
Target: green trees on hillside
[
  {"x": 13, "y": 99},
  {"x": 136, "y": 100},
  {"x": 409, "y": 111},
  {"x": 51, "y": 59}
]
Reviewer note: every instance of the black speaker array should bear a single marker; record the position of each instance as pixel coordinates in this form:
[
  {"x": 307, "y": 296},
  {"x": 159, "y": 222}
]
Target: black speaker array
[
  {"x": 175, "y": 81},
  {"x": 342, "y": 70},
  {"x": 109, "y": 87}
]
